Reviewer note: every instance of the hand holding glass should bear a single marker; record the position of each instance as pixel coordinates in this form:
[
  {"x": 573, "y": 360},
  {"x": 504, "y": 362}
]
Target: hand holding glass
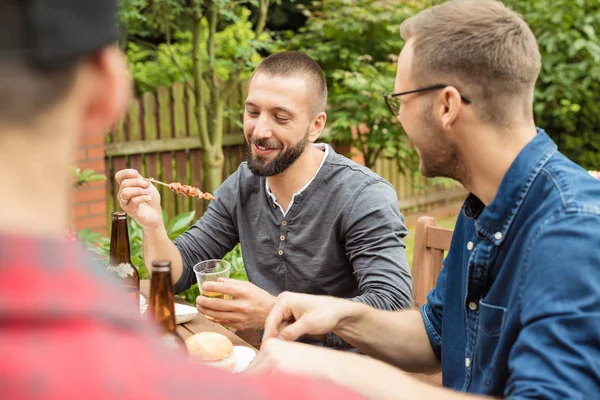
[{"x": 212, "y": 270}]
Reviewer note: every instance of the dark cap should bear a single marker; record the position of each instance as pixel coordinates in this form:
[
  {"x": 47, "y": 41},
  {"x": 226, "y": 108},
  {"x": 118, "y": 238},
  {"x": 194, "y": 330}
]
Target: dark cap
[{"x": 50, "y": 33}]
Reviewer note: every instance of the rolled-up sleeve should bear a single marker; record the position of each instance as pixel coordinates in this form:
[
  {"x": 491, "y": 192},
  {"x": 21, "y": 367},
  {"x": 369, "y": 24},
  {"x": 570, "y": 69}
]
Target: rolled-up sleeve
[{"x": 557, "y": 352}]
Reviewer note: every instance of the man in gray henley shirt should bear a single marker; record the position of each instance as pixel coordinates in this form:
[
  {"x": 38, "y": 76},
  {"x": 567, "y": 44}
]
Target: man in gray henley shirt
[{"x": 338, "y": 233}]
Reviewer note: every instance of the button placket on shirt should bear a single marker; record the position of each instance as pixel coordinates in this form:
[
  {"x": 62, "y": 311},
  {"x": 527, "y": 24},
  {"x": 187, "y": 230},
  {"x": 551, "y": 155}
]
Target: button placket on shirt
[
  {"x": 472, "y": 318},
  {"x": 282, "y": 237}
]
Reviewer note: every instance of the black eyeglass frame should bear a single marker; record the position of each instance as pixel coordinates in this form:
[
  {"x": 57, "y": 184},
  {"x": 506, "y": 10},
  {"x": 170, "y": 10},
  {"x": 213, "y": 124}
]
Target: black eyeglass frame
[{"x": 388, "y": 95}]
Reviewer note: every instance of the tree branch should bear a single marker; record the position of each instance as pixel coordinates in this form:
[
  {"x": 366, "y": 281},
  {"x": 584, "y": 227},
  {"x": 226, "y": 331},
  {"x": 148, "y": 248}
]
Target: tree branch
[
  {"x": 262, "y": 17},
  {"x": 376, "y": 154},
  {"x": 213, "y": 20},
  {"x": 197, "y": 67},
  {"x": 232, "y": 83}
]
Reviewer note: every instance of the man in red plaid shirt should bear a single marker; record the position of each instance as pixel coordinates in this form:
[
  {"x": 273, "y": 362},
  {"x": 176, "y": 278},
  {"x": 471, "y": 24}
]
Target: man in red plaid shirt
[{"x": 66, "y": 330}]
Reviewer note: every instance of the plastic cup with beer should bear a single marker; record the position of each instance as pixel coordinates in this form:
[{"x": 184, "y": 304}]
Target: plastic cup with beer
[{"x": 212, "y": 270}]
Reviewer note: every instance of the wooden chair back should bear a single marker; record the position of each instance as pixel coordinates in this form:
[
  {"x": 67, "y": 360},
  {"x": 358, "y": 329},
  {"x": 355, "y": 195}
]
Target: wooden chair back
[{"x": 431, "y": 242}]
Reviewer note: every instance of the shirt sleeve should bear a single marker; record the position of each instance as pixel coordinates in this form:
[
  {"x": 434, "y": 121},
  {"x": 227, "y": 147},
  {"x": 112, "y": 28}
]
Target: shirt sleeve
[
  {"x": 212, "y": 236},
  {"x": 373, "y": 233},
  {"x": 375, "y": 249},
  {"x": 557, "y": 352},
  {"x": 432, "y": 313}
]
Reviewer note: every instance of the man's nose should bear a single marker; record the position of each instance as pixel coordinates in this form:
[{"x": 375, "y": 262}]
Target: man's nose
[{"x": 262, "y": 130}]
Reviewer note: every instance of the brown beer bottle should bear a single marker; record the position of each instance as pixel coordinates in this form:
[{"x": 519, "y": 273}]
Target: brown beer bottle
[
  {"x": 119, "y": 262},
  {"x": 161, "y": 306}
]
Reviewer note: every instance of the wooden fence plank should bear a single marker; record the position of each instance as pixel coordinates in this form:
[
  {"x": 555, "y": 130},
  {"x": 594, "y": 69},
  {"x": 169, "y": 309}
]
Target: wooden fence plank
[
  {"x": 119, "y": 132},
  {"x": 134, "y": 121},
  {"x": 164, "y": 113},
  {"x": 179, "y": 119},
  {"x": 135, "y": 162},
  {"x": 149, "y": 102},
  {"x": 192, "y": 122}
]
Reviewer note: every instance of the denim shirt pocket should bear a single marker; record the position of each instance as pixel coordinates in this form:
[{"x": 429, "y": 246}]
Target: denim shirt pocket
[{"x": 491, "y": 322}]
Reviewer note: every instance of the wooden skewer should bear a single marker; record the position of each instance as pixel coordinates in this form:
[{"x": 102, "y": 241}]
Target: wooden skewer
[
  {"x": 155, "y": 181},
  {"x": 186, "y": 190}
]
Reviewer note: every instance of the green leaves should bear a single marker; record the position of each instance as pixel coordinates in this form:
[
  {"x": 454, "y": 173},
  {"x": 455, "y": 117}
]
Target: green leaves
[
  {"x": 85, "y": 177},
  {"x": 566, "y": 103},
  {"x": 180, "y": 224}
]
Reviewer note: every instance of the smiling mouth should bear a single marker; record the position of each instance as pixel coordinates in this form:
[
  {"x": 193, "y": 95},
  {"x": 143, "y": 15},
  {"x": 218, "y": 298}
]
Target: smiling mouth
[
  {"x": 262, "y": 148},
  {"x": 263, "y": 151}
]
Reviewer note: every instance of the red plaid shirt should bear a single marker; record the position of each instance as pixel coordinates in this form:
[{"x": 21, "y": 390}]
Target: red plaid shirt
[{"x": 67, "y": 332}]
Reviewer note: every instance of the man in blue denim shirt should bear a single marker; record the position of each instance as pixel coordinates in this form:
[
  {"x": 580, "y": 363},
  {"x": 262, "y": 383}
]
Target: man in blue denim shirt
[{"x": 516, "y": 309}]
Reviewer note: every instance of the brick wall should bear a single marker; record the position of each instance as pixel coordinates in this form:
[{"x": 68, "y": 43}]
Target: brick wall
[{"x": 89, "y": 201}]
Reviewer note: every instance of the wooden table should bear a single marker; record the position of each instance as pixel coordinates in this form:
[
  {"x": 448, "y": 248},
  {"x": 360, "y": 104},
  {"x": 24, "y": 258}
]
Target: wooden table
[{"x": 199, "y": 324}]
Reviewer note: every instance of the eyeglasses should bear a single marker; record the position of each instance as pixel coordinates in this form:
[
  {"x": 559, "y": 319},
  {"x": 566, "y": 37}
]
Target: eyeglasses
[{"x": 394, "y": 103}]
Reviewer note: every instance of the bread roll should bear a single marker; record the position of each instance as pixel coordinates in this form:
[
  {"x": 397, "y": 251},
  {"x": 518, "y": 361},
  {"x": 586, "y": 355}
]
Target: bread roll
[{"x": 211, "y": 348}]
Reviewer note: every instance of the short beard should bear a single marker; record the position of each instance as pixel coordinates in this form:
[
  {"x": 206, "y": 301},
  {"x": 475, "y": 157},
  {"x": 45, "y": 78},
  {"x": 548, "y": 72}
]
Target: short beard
[
  {"x": 440, "y": 158},
  {"x": 259, "y": 165}
]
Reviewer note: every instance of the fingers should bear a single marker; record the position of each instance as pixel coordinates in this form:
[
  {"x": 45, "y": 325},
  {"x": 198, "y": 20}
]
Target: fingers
[
  {"x": 132, "y": 188},
  {"x": 278, "y": 318},
  {"x": 294, "y": 330},
  {"x": 274, "y": 323},
  {"x": 134, "y": 195},
  {"x": 134, "y": 183},
  {"x": 222, "y": 317},
  {"x": 123, "y": 174},
  {"x": 217, "y": 304},
  {"x": 227, "y": 286}
]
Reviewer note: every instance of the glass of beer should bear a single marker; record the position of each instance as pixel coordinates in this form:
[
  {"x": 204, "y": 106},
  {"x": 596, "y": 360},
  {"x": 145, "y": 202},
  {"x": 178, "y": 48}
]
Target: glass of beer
[{"x": 211, "y": 270}]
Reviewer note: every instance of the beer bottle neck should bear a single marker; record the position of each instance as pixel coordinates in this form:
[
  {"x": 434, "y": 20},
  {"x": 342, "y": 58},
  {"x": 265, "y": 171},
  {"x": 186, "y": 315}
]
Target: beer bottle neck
[
  {"x": 119, "y": 242},
  {"x": 161, "y": 303}
]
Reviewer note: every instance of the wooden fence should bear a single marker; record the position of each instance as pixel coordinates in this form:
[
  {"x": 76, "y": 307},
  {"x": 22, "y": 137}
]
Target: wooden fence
[{"x": 159, "y": 137}]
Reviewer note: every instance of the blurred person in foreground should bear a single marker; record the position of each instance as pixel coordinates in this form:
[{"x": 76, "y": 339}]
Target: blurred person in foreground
[
  {"x": 516, "y": 309},
  {"x": 309, "y": 220},
  {"x": 66, "y": 330}
]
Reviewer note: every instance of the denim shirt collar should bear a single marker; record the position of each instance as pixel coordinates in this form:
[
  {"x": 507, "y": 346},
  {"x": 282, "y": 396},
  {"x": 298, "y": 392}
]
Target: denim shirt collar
[{"x": 495, "y": 220}]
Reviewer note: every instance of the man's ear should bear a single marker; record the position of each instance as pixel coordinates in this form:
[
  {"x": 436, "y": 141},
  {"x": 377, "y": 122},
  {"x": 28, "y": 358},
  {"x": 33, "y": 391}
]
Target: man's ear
[
  {"x": 108, "y": 89},
  {"x": 449, "y": 106},
  {"x": 317, "y": 126}
]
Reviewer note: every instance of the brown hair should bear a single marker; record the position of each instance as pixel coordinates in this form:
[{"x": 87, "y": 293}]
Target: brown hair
[
  {"x": 26, "y": 90},
  {"x": 295, "y": 63},
  {"x": 482, "y": 47}
]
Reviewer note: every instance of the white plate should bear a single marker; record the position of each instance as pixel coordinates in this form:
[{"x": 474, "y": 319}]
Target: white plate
[
  {"x": 183, "y": 313},
  {"x": 243, "y": 356}
]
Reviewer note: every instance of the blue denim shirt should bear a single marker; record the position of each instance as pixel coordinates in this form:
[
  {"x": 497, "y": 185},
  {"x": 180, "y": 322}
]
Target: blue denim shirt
[{"x": 516, "y": 308}]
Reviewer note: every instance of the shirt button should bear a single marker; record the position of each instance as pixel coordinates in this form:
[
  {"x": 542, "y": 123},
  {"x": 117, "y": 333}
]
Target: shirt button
[
  {"x": 280, "y": 252},
  {"x": 498, "y": 235},
  {"x": 282, "y": 238},
  {"x": 284, "y": 223},
  {"x": 470, "y": 246},
  {"x": 472, "y": 306},
  {"x": 467, "y": 362}
]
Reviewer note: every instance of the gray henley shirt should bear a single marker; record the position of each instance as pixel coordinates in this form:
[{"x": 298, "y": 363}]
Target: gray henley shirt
[{"x": 341, "y": 236}]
